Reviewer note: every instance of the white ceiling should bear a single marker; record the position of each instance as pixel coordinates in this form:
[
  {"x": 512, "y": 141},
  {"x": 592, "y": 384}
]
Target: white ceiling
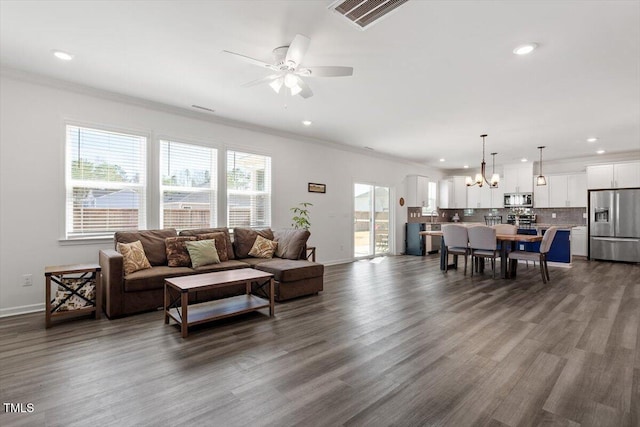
[{"x": 428, "y": 80}]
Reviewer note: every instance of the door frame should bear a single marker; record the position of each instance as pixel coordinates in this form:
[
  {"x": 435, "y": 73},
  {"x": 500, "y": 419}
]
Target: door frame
[{"x": 392, "y": 219}]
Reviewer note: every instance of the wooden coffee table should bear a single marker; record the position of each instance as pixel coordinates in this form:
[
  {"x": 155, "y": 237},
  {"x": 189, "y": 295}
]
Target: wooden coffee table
[{"x": 177, "y": 290}]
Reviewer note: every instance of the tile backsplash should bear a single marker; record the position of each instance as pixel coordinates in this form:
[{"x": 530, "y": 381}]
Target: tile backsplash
[{"x": 563, "y": 216}]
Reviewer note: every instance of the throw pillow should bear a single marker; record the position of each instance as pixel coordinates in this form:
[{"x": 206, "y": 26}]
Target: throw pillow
[
  {"x": 244, "y": 238},
  {"x": 224, "y": 230},
  {"x": 221, "y": 243},
  {"x": 291, "y": 243},
  {"x": 202, "y": 252},
  {"x": 263, "y": 248},
  {"x": 177, "y": 254},
  {"x": 133, "y": 256}
]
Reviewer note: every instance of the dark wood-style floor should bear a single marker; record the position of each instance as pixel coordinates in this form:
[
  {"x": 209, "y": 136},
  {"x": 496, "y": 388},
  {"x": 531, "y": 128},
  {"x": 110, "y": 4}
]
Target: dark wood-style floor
[{"x": 395, "y": 342}]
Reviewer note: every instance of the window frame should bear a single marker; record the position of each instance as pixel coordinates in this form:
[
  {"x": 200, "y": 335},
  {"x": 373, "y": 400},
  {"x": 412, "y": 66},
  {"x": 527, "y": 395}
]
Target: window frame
[
  {"x": 214, "y": 215},
  {"x": 67, "y": 183},
  {"x": 224, "y": 191}
]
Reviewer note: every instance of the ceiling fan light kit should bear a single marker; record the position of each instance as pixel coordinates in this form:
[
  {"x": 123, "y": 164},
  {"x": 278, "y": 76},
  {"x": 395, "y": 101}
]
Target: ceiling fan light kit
[{"x": 288, "y": 69}]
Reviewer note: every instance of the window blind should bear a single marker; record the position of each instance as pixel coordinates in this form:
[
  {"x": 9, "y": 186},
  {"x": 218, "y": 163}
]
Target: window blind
[
  {"x": 248, "y": 190},
  {"x": 188, "y": 183},
  {"x": 105, "y": 182}
]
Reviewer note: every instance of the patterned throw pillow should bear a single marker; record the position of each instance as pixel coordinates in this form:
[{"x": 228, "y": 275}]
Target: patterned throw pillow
[
  {"x": 263, "y": 248},
  {"x": 74, "y": 302},
  {"x": 221, "y": 243},
  {"x": 177, "y": 254},
  {"x": 203, "y": 252},
  {"x": 134, "y": 257}
]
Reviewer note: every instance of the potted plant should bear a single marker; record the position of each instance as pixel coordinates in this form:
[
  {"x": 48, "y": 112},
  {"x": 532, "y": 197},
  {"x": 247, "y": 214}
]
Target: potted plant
[{"x": 300, "y": 218}]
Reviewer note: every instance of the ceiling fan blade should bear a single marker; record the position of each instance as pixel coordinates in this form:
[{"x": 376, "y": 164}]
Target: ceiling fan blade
[
  {"x": 297, "y": 49},
  {"x": 251, "y": 60},
  {"x": 306, "y": 91},
  {"x": 328, "y": 71},
  {"x": 262, "y": 80}
]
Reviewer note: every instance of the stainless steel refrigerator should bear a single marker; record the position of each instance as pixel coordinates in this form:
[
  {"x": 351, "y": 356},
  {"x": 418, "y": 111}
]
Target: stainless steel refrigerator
[{"x": 614, "y": 225}]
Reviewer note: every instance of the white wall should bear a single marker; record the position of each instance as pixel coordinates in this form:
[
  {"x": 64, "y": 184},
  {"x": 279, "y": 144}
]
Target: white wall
[{"x": 32, "y": 118}]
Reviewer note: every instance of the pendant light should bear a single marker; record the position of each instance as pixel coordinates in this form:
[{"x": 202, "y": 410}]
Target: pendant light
[
  {"x": 541, "y": 180},
  {"x": 495, "y": 178},
  {"x": 481, "y": 177}
]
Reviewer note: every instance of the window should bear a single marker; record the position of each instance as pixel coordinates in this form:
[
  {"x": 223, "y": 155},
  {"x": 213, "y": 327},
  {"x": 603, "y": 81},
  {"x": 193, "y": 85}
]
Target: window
[
  {"x": 248, "y": 190},
  {"x": 105, "y": 182},
  {"x": 188, "y": 185},
  {"x": 432, "y": 194}
]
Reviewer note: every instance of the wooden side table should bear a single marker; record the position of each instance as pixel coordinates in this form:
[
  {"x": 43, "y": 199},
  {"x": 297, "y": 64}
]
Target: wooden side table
[{"x": 76, "y": 282}]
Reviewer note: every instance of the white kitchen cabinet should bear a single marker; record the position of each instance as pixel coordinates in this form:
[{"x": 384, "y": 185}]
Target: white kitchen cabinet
[
  {"x": 479, "y": 197},
  {"x": 626, "y": 175},
  {"x": 577, "y": 193},
  {"x": 417, "y": 191},
  {"x": 616, "y": 175},
  {"x": 518, "y": 178},
  {"x": 453, "y": 193},
  {"x": 541, "y": 195},
  {"x": 579, "y": 241},
  {"x": 567, "y": 191}
]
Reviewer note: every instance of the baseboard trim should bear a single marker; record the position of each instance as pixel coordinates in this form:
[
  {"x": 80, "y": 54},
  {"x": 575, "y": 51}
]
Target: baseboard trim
[
  {"x": 340, "y": 261},
  {"x": 23, "y": 309}
]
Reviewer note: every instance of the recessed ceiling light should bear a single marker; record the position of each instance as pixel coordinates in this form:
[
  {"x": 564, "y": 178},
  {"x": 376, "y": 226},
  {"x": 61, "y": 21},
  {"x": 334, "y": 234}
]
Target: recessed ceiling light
[
  {"x": 62, "y": 55},
  {"x": 525, "y": 48},
  {"x": 442, "y": 160},
  {"x": 306, "y": 122},
  {"x": 600, "y": 152},
  {"x": 592, "y": 139},
  {"x": 523, "y": 160},
  {"x": 466, "y": 166}
]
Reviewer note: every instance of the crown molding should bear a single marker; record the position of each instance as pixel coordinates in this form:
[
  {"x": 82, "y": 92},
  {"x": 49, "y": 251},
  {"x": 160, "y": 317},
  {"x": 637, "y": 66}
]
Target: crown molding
[{"x": 43, "y": 80}]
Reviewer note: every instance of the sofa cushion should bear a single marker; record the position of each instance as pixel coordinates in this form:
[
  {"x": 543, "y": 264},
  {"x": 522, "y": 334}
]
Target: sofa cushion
[
  {"x": 244, "y": 238},
  {"x": 152, "y": 242},
  {"x": 177, "y": 253},
  {"x": 202, "y": 252},
  {"x": 224, "y": 230},
  {"x": 221, "y": 243},
  {"x": 291, "y": 243},
  {"x": 263, "y": 248},
  {"x": 255, "y": 261},
  {"x": 133, "y": 257},
  {"x": 285, "y": 270},
  {"x": 153, "y": 278},
  {"x": 226, "y": 265}
]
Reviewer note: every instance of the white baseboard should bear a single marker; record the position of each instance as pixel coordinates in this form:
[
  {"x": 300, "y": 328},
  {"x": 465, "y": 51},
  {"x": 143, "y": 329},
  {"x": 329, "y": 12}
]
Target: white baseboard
[
  {"x": 338, "y": 262},
  {"x": 24, "y": 309}
]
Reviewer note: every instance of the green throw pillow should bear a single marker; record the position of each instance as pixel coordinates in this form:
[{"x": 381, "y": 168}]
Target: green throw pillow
[{"x": 202, "y": 252}]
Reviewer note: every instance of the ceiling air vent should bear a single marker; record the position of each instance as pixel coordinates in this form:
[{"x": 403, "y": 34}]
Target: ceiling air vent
[{"x": 364, "y": 13}]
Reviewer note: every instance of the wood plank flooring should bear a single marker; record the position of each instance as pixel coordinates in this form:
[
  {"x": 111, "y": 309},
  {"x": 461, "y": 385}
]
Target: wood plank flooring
[{"x": 390, "y": 343}]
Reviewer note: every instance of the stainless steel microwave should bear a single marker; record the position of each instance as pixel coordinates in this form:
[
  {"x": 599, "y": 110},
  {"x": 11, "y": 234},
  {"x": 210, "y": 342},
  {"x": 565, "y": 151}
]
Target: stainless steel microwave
[{"x": 513, "y": 200}]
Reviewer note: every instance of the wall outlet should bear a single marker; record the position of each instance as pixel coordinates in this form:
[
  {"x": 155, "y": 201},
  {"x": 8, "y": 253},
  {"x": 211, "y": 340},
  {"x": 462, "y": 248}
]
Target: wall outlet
[
  {"x": 553, "y": 215},
  {"x": 27, "y": 280},
  {"x": 584, "y": 215}
]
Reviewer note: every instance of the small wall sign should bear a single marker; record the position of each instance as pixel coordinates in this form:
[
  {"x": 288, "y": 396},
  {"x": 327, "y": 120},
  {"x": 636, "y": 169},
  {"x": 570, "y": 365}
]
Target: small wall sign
[{"x": 317, "y": 188}]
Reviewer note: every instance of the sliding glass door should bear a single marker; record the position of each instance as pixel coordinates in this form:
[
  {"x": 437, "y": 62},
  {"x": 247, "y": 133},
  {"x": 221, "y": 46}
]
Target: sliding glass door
[{"x": 371, "y": 220}]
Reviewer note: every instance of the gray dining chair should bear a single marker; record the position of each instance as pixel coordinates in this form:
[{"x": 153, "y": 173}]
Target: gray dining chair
[
  {"x": 483, "y": 244},
  {"x": 505, "y": 229},
  {"x": 456, "y": 240},
  {"x": 541, "y": 256}
]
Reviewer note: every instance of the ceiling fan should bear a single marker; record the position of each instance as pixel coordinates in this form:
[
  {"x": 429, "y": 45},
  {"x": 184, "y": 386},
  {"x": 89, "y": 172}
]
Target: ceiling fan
[{"x": 287, "y": 68}]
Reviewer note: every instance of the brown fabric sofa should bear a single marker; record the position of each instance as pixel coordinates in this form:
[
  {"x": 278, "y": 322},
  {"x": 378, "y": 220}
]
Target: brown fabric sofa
[{"x": 142, "y": 290}]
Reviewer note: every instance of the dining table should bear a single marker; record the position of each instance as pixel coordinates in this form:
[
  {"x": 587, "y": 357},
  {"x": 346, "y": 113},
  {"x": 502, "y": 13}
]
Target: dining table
[{"x": 507, "y": 243}]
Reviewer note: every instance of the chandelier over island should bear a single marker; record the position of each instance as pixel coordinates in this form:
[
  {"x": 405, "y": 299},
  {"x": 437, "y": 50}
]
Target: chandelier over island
[{"x": 481, "y": 178}]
